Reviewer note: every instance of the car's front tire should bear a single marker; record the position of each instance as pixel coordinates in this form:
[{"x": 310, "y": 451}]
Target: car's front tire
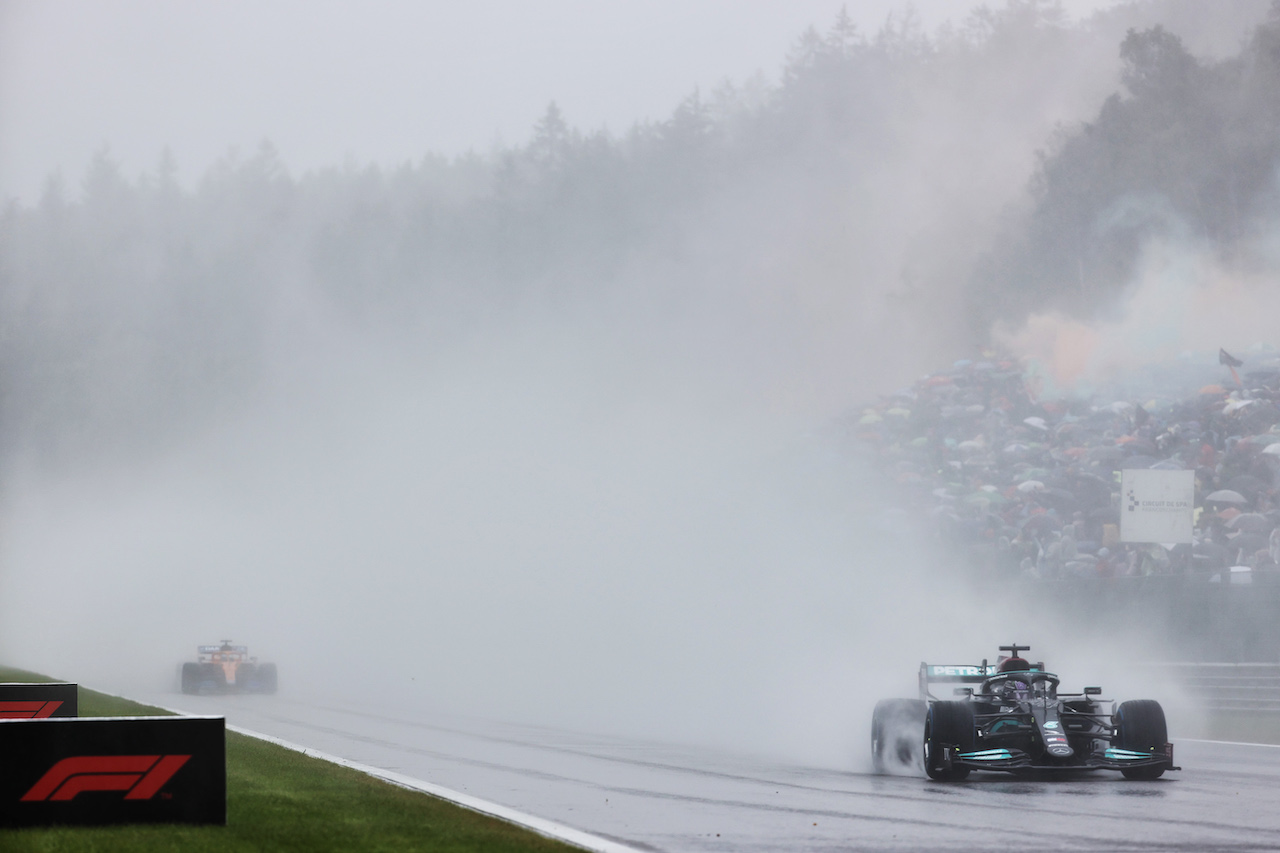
[
  {"x": 947, "y": 724},
  {"x": 1140, "y": 726}
]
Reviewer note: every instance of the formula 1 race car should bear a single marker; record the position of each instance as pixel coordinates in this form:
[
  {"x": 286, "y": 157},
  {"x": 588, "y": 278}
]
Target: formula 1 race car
[
  {"x": 226, "y": 669},
  {"x": 1015, "y": 720}
]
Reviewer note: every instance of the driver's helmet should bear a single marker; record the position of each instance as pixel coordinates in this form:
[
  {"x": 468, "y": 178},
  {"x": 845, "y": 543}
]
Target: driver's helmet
[{"x": 1015, "y": 688}]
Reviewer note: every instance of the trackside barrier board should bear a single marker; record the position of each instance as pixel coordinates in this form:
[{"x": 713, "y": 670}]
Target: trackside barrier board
[
  {"x": 37, "y": 701},
  {"x": 1156, "y": 506},
  {"x": 105, "y": 770}
]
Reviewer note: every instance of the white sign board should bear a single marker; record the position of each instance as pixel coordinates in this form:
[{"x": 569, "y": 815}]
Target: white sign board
[{"x": 1156, "y": 506}]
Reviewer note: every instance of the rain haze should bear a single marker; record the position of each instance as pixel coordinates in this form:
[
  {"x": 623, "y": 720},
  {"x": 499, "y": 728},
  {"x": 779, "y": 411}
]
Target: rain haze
[
  {"x": 383, "y": 82},
  {"x": 488, "y": 357}
]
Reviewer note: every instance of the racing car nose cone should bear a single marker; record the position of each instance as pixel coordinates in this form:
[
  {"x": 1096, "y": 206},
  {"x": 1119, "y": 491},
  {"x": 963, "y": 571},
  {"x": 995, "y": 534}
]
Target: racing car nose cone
[{"x": 1054, "y": 741}]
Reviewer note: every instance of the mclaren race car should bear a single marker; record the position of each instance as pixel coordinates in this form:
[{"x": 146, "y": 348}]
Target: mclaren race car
[
  {"x": 1012, "y": 718},
  {"x": 226, "y": 669}
]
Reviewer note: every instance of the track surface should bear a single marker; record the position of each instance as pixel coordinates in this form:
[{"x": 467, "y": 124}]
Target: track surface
[{"x": 669, "y": 798}]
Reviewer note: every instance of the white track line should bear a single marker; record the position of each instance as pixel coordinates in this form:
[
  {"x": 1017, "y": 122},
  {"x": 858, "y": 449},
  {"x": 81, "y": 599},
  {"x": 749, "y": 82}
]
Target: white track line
[
  {"x": 542, "y": 826},
  {"x": 1227, "y": 742}
]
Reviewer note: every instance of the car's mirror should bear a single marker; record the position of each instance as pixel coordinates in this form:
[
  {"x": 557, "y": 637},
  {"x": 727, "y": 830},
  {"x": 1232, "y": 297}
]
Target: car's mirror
[
  {"x": 964, "y": 691},
  {"x": 1093, "y": 691}
]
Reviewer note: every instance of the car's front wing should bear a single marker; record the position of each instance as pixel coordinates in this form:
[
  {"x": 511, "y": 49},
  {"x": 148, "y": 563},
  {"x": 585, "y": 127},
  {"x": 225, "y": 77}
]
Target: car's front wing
[{"x": 1112, "y": 758}]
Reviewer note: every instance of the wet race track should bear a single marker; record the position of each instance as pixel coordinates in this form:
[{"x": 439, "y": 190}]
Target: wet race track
[{"x": 672, "y": 798}]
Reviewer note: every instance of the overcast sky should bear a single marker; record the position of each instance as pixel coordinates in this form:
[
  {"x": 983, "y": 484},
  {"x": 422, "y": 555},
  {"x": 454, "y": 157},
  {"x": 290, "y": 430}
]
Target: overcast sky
[{"x": 382, "y": 81}]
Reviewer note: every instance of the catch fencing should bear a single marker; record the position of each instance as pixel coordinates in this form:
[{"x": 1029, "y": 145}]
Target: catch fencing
[
  {"x": 1182, "y": 618},
  {"x": 1250, "y": 688}
]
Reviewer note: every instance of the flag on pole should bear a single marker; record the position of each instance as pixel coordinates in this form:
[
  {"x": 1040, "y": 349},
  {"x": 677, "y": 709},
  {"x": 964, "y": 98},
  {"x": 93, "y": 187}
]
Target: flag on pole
[{"x": 1232, "y": 363}]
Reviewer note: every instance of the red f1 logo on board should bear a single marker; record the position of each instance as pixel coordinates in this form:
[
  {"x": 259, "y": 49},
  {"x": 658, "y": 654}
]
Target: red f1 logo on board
[
  {"x": 27, "y": 710},
  {"x": 141, "y": 775}
]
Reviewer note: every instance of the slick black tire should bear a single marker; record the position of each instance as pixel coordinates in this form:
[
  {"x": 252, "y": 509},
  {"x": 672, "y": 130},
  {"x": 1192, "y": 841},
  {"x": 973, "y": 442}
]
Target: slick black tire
[
  {"x": 897, "y": 725},
  {"x": 267, "y": 678},
  {"x": 947, "y": 724},
  {"x": 247, "y": 678},
  {"x": 190, "y": 678},
  {"x": 1140, "y": 726}
]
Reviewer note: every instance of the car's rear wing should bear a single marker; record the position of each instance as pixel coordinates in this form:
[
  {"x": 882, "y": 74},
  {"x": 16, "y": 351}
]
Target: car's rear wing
[
  {"x": 213, "y": 650},
  {"x": 931, "y": 673}
]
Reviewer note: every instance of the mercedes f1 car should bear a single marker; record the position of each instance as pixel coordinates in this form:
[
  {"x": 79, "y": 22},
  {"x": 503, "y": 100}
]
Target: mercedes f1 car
[
  {"x": 225, "y": 669},
  {"x": 1014, "y": 719}
]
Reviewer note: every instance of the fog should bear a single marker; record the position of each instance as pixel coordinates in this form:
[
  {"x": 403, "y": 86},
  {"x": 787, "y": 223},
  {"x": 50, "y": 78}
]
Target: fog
[
  {"x": 404, "y": 78},
  {"x": 603, "y": 495}
]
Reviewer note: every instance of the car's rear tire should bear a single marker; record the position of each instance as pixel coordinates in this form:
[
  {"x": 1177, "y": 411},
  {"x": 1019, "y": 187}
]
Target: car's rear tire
[
  {"x": 947, "y": 724},
  {"x": 190, "y": 678},
  {"x": 896, "y": 730},
  {"x": 267, "y": 678},
  {"x": 247, "y": 678},
  {"x": 1140, "y": 726}
]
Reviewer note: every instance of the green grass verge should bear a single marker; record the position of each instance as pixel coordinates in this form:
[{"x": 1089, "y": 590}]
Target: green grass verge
[{"x": 278, "y": 799}]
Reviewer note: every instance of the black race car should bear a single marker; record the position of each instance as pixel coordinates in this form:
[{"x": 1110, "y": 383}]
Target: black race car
[{"x": 1015, "y": 720}]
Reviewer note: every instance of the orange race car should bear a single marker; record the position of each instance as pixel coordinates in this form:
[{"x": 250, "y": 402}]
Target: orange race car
[{"x": 227, "y": 669}]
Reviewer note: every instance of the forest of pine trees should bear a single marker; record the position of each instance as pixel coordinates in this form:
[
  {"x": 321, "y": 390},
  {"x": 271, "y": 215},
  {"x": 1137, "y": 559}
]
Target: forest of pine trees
[{"x": 892, "y": 174}]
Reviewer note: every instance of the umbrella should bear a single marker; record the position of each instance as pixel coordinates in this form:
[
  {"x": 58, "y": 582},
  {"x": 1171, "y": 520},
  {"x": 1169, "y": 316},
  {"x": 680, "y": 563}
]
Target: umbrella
[
  {"x": 1091, "y": 489},
  {"x": 1247, "y": 485},
  {"x": 1254, "y": 522},
  {"x": 1145, "y": 446},
  {"x": 1031, "y": 486},
  {"x": 1272, "y": 449},
  {"x": 1249, "y": 542},
  {"x": 1225, "y": 496},
  {"x": 1041, "y": 522},
  {"x": 1169, "y": 465},
  {"x": 1060, "y": 499}
]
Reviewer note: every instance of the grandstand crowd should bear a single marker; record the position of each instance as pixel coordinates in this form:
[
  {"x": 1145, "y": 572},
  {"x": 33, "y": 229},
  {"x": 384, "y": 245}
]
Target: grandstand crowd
[{"x": 1027, "y": 482}]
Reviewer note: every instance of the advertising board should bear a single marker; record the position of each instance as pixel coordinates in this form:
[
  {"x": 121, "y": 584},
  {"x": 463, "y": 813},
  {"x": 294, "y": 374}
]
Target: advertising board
[
  {"x": 1157, "y": 506},
  {"x": 106, "y": 770},
  {"x": 37, "y": 701}
]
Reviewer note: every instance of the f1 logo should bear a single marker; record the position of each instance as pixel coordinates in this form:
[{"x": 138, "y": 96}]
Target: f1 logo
[
  {"x": 37, "y": 710},
  {"x": 142, "y": 776}
]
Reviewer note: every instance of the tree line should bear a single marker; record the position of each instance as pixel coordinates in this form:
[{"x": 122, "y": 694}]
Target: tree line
[
  {"x": 871, "y": 184},
  {"x": 1188, "y": 151}
]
